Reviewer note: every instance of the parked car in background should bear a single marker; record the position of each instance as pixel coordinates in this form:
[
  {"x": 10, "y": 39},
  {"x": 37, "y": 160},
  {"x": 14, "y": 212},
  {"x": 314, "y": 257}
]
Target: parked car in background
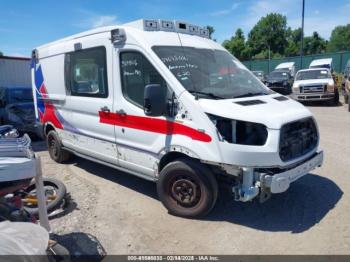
[
  {"x": 260, "y": 75},
  {"x": 17, "y": 108},
  {"x": 322, "y": 63},
  {"x": 315, "y": 84},
  {"x": 280, "y": 81},
  {"x": 288, "y": 66}
]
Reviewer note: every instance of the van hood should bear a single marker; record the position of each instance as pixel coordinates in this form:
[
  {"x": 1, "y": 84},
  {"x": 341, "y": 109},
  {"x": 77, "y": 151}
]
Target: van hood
[
  {"x": 265, "y": 109},
  {"x": 313, "y": 81}
]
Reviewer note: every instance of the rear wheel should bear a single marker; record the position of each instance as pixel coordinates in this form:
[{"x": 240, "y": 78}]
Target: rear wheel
[
  {"x": 187, "y": 188},
  {"x": 55, "y": 149}
]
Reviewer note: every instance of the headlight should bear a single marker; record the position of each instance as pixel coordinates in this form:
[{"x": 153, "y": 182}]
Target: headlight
[
  {"x": 296, "y": 89},
  {"x": 239, "y": 132},
  {"x": 330, "y": 87}
]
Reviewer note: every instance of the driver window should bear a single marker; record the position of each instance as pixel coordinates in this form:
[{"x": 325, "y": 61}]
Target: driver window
[{"x": 136, "y": 73}]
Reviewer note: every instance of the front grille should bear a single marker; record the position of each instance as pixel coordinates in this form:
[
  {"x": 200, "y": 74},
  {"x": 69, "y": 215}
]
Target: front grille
[
  {"x": 297, "y": 139},
  {"x": 312, "y": 88},
  {"x": 277, "y": 84}
]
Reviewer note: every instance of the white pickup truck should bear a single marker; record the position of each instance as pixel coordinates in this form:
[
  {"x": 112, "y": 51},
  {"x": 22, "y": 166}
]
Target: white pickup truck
[{"x": 316, "y": 84}]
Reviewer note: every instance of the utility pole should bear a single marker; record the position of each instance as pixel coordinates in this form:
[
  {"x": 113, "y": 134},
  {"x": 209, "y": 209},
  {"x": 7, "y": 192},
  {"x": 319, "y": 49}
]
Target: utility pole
[
  {"x": 302, "y": 36},
  {"x": 269, "y": 59}
]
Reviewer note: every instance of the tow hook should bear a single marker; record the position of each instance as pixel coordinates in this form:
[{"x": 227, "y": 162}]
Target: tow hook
[{"x": 247, "y": 190}]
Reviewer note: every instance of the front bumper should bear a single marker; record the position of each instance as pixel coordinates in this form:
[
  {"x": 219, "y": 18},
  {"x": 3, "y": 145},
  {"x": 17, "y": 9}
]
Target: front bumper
[
  {"x": 280, "y": 182},
  {"x": 280, "y": 88},
  {"x": 312, "y": 96}
]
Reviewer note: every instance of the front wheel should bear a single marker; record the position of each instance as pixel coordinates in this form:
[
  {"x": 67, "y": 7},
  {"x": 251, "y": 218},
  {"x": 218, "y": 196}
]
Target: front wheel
[{"x": 187, "y": 188}]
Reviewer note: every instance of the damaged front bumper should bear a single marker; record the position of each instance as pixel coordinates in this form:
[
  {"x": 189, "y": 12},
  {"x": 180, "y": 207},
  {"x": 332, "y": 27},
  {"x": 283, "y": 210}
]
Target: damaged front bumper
[
  {"x": 255, "y": 182},
  {"x": 278, "y": 183}
]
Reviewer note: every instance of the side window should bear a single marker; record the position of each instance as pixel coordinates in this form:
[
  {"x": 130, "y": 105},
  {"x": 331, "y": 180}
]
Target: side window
[
  {"x": 87, "y": 73},
  {"x": 136, "y": 73}
]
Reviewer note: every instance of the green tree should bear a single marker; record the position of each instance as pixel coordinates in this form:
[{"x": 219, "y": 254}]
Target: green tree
[
  {"x": 293, "y": 42},
  {"x": 211, "y": 31},
  {"x": 270, "y": 31},
  {"x": 340, "y": 39},
  {"x": 314, "y": 44},
  {"x": 236, "y": 45}
]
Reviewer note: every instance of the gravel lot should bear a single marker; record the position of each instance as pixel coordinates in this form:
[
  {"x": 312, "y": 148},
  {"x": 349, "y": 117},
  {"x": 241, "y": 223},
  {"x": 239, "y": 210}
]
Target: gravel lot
[{"x": 117, "y": 213}]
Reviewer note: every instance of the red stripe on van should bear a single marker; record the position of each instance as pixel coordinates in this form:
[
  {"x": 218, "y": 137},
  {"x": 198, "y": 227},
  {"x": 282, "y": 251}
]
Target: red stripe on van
[{"x": 154, "y": 125}]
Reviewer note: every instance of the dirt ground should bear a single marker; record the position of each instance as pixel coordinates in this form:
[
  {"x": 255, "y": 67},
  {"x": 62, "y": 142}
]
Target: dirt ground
[{"x": 118, "y": 213}]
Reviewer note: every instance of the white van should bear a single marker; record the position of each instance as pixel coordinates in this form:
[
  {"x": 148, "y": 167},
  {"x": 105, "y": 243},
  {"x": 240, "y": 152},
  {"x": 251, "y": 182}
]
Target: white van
[
  {"x": 290, "y": 66},
  {"x": 322, "y": 63},
  {"x": 161, "y": 101}
]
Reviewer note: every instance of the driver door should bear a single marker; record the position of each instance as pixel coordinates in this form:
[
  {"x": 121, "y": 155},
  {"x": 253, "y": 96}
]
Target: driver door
[{"x": 139, "y": 141}]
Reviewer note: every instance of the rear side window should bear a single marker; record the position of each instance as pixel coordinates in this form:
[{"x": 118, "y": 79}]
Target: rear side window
[
  {"x": 136, "y": 73},
  {"x": 86, "y": 72}
]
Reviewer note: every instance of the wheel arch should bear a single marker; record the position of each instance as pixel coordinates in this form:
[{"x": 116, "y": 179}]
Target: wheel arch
[
  {"x": 175, "y": 152},
  {"x": 48, "y": 127}
]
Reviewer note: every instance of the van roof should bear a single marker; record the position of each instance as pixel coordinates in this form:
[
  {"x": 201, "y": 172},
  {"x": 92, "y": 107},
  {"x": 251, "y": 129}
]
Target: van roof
[
  {"x": 313, "y": 69},
  {"x": 143, "y": 25},
  {"x": 285, "y": 65},
  {"x": 323, "y": 61}
]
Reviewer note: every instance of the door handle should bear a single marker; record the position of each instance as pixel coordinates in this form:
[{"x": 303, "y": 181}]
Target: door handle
[
  {"x": 105, "y": 109},
  {"x": 121, "y": 112}
]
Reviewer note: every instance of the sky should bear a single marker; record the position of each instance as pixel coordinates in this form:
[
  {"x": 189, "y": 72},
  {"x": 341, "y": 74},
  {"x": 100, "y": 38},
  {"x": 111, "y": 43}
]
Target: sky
[{"x": 27, "y": 24}]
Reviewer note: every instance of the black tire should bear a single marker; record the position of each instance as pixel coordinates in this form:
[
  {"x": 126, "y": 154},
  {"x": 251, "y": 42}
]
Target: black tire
[
  {"x": 54, "y": 184},
  {"x": 54, "y": 145},
  {"x": 336, "y": 98},
  {"x": 187, "y": 188}
]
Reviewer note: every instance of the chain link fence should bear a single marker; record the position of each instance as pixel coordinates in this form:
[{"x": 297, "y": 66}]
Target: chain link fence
[{"x": 339, "y": 61}]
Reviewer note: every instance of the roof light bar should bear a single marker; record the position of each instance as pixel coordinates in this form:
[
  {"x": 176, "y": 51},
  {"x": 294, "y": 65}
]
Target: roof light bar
[{"x": 172, "y": 26}]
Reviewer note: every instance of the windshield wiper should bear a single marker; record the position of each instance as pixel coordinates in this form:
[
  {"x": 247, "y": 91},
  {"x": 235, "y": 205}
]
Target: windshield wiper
[
  {"x": 206, "y": 94},
  {"x": 250, "y": 94}
]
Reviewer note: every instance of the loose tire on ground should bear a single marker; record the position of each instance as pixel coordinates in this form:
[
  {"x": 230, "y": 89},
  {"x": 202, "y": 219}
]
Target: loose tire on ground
[
  {"x": 54, "y": 145},
  {"x": 187, "y": 188},
  {"x": 60, "y": 193}
]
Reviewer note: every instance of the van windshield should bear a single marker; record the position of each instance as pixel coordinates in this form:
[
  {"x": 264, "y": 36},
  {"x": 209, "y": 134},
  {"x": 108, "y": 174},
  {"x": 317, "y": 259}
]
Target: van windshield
[
  {"x": 313, "y": 74},
  {"x": 212, "y": 73}
]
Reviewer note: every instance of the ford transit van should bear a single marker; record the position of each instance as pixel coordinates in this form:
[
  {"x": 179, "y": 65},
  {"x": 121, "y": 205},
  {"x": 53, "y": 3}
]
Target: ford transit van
[{"x": 160, "y": 100}]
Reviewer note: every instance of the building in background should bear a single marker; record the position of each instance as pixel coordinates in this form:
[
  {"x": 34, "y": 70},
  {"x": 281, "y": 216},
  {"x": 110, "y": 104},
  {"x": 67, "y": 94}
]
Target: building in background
[{"x": 15, "y": 71}]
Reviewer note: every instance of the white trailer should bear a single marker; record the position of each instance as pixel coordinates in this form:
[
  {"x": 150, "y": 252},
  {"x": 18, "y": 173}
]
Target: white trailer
[{"x": 290, "y": 66}]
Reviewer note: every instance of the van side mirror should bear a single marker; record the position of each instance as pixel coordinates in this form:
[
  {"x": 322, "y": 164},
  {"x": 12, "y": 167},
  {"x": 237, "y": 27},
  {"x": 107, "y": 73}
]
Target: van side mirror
[{"x": 155, "y": 100}]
